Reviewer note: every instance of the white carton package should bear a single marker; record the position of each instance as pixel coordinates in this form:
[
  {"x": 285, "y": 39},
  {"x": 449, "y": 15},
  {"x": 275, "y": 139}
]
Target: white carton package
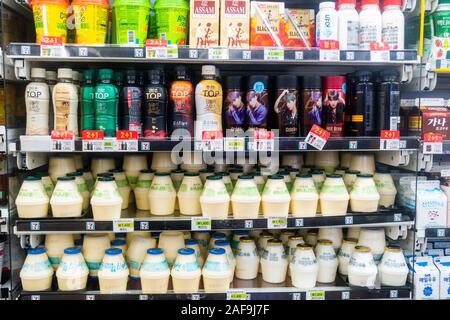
[
  {"x": 431, "y": 210},
  {"x": 434, "y": 252},
  {"x": 447, "y": 252},
  {"x": 426, "y": 278},
  {"x": 443, "y": 265}
]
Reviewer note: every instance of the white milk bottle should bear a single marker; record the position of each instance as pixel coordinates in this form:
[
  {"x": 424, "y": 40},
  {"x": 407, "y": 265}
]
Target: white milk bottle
[
  {"x": 142, "y": 189},
  {"x": 82, "y": 188},
  {"x": 364, "y": 196},
  {"x": 238, "y": 234},
  {"x": 177, "y": 176},
  {"x": 344, "y": 254},
  {"x": 36, "y": 273},
  {"x": 216, "y": 271},
  {"x": 130, "y": 235},
  {"x": 363, "y": 162},
  {"x": 99, "y": 165},
  {"x": 88, "y": 178},
  {"x": 386, "y": 188},
  {"x": 154, "y": 272},
  {"x": 193, "y": 244},
  {"x": 204, "y": 173},
  {"x": 123, "y": 185},
  {"x": 120, "y": 244},
  {"x": 259, "y": 181},
  {"x": 225, "y": 244},
  {"x": 72, "y": 272},
  {"x": 311, "y": 238},
  {"x": 350, "y": 178},
  {"x": 203, "y": 241},
  {"x": 189, "y": 194},
  {"x": 136, "y": 253},
  {"x": 55, "y": 245},
  {"x": 353, "y": 232},
  {"x": 274, "y": 262},
  {"x": 334, "y": 196},
  {"x": 171, "y": 242},
  {"x": 66, "y": 200},
  {"x": 65, "y": 102},
  {"x": 287, "y": 179},
  {"x": 326, "y": 22},
  {"x": 334, "y": 235},
  {"x": 362, "y": 270},
  {"x": 216, "y": 236},
  {"x": 208, "y": 104},
  {"x": 215, "y": 199},
  {"x": 234, "y": 174},
  {"x": 293, "y": 160},
  {"x": 133, "y": 164},
  {"x": 37, "y": 101},
  {"x": 375, "y": 239},
  {"x": 304, "y": 267},
  {"x": 275, "y": 197},
  {"x": 60, "y": 167},
  {"x": 327, "y": 161},
  {"x": 327, "y": 261},
  {"x": 226, "y": 181},
  {"x": 162, "y": 195},
  {"x": 393, "y": 24},
  {"x": 106, "y": 200},
  {"x": 392, "y": 269},
  {"x": 162, "y": 162},
  {"x": 304, "y": 196},
  {"x": 247, "y": 259},
  {"x": 186, "y": 272},
  {"x": 348, "y": 25},
  {"x": 78, "y": 159},
  {"x": 113, "y": 272},
  {"x": 291, "y": 246},
  {"x": 94, "y": 246},
  {"x": 32, "y": 200},
  {"x": 369, "y": 24},
  {"x": 47, "y": 183},
  {"x": 245, "y": 199}
]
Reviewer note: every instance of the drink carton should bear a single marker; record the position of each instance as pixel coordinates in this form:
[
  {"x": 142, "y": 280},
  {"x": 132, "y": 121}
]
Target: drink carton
[
  {"x": 303, "y": 19},
  {"x": 204, "y": 23},
  {"x": 434, "y": 252},
  {"x": 431, "y": 210},
  {"x": 447, "y": 252},
  {"x": 443, "y": 265},
  {"x": 426, "y": 278},
  {"x": 235, "y": 23},
  {"x": 267, "y": 24}
]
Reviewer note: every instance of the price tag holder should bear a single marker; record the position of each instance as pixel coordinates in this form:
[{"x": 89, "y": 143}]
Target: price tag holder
[
  {"x": 390, "y": 140},
  {"x": 234, "y": 294},
  {"x": 218, "y": 54},
  {"x": 273, "y": 54},
  {"x": 317, "y": 137},
  {"x": 315, "y": 295},
  {"x": 211, "y": 141},
  {"x": 432, "y": 143},
  {"x": 379, "y": 52},
  {"x": 161, "y": 52},
  {"x": 123, "y": 225},
  {"x": 200, "y": 224},
  {"x": 277, "y": 223},
  {"x": 92, "y": 140},
  {"x": 234, "y": 144},
  {"x": 263, "y": 140},
  {"x": 52, "y": 47},
  {"x": 62, "y": 141},
  {"x": 329, "y": 50},
  {"x": 127, "y": 140}
]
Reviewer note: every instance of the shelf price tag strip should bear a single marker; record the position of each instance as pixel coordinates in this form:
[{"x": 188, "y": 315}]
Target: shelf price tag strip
[
  {"x": 123, "y": 225},
  {"x": 317, "y": 137},
  {"x": 379, "y": 52},
  {"x": 277, "y": 223},
  {"x": 263, "y": 140},
  {"x": 127, "y": 140},
  {"x": 329, "y": 50},
  {"x": 62, "y": 140},
  {"x": 236, "y": 294},
  {"x": 211, "y": 141},
  {"x": 390, "y": 140},
  {"x": 200, "y": 223},
  {"x": 432, "y": 143},
  {"x": 315, "y": 295},
  {"x": 52, "y": 47},
  {"x": 159, "y": 49}
]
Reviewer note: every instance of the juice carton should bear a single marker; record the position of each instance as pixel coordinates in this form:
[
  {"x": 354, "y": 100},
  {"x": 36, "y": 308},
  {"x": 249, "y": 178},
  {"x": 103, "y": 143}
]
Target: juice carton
[
  {"x": 443, "y": 265},
  {"x": 303, "y": 20},
  {"x": 431, "y": 205},
  {"x": 235, "y": 23},
  {"x": 204, "y": 23},
  {"x": 267, "y": 22},
  {"x": 426, "y": 278}
]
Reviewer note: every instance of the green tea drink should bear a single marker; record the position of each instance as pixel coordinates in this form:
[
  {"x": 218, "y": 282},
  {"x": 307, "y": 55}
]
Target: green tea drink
[
  {"x": 106, "y": 103},
  {"x": 87, "y": 101},
  {"x": 171, "y": 20},
  {"x": 130, "y": 21}
]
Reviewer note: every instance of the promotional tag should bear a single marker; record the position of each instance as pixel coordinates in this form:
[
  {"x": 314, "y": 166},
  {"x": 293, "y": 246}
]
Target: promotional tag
[
  {"x": 329, "y": 50},
  {"x": 62, "y": 140},
  {"x": 317, "y": 137},
  {"x": 127, "y": 140},
  {"x": 52, "y": 47},
  {"x": 390, "y": 140},
  {"x": 432, "y": 143},
  {"x": 379, "y": 52}
]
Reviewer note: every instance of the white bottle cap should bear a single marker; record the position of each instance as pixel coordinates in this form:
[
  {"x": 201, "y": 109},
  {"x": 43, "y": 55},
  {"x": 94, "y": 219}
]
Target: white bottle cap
[
  {"x": 64, "y": 73},
  {"x": 327, "y": 5},
  {"x": 37, "y": 73},
  {"x": 50, "y": 75},
  {"x": 209, "y": 70}
]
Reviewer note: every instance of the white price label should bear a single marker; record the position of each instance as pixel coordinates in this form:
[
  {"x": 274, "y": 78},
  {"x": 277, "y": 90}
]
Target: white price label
[
  {"x": 235, "y": 294},
  {"x": 218, "y": 54},
  {"x": 200, "y": 224},
  {"x": 299, "y": 222},
  {"x": 389, "y": 144},
  {"x": 445, "y": 173},
  {"x": 234, "y": 144},
  {"x": 90, "y": 226},
  {"x": 35, "y": 226},
  {"x": 432, "y": 148},
  {"x": 123, "y": 225},
  {"x": 315, "y": 141},
  {"x": 379, "y": 55},
  {"x": 108, "y": 144},
  {"x": 127, "y": 145},
  {"x": 277, "y": 223},
  {"x": 209, "y": 145},
  {"x": 273, "y": 54},
  {"x": 63, "y": 145},
  {"x": 315, "y": 295},
  {"x": 262, "y": 145},
  {"x": 329, "y": 55},
  {"x": 53, "y": 51}
]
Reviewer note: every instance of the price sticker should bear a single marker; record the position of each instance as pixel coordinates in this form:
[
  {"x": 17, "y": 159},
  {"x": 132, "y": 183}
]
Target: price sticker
[
  {"x": 273, "y": 54},
  {"x": 25, "y": 50},
  {"x": 329, "y": 50},
  {"x": 52, "y": 47},
  {"x": 302, "y": 146},
  {"x": 92, "y": 135},
  {"x": 234, "y": 144},
  {"x": 195, "y": 297},
  {"x": 200, "y": 224},
  {"x": 317, "y": 137},
  {"x": 432, "y": 143},
  {"x": 218, "y": 54},
  {"x": 315, "y": 295},
  {"x": 211, "y": 141},
  {"x": 277, "y": 223},
  {"x": 62, "y": 140},
  {"x": 390, "y": 140},
  {"x": 143, "y": 297},
  {"x": 123, "y": 225},
  {"x": 234, "y": 294},
  {"x": 445, "y": 173},
  {"x": 35, "y": 297},
  {"x": 400, "y": 55},
  {"x": 264, "y": 140},
  {"x": 397, "y": 217},
  {"x": 127, "y": 140},
  {"x": 379, "y": 52}
]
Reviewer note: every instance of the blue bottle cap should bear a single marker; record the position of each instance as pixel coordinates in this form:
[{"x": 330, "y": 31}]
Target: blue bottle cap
[
  {"x": 73, "y": 250},
  {"x": 222, "y": 243},
  {"x": 118, "y": 242},
  {"x": 241, "y": 232},
  {"x": 190, "y": 241},
  {"x": 36, "y": 251},
  {"x": 186, "y": 251},
  {"x": 155, "y": 251},
  {"x": 216, "y": 251},
  {"x": 113, "y": 251},
  {"x": 219, "y": 235}
]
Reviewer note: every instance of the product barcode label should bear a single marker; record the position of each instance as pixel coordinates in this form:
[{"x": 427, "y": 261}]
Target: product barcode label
[
  {"x": 144, "y": 225},
  {"x": 273, "y": 54},
  {"x": 277, "y": 223},
  {"x": 63, "y": 145},
  {"x": 345, "y": 295},
  {"x": 127, "y": 145},
  {"x": 218, "y": 54},
  {"x": 209, "y": 145},
  {"x": 440, "y": 233},
  {"x": 317, "y": 137},
  {"x": 394, "y": 121},
  {"x": 353, "y": 145},
  {"x": 25, "y": 50},
  {"x": 108, "y": 144},
  {"x": 445, "y": 173},
  {"x": 432, "y": 143},
  {"x": 235, "y": 294},
  {"x": 234, "y": 144},
  {"x": 350, "y": 55},
  {"x": 262, "y": 145},
  {"x": 390, "y": 140},
  {"x": 123, "y": 225},
  {"x": 35, "y": 226},
  {"x": 131, "y": 38},
  {"x": 315, "y": 295},
  {"x": 200, "y": 223},
  {"x": 299, "y": 222},
  {"x": 90, "y": 226}
]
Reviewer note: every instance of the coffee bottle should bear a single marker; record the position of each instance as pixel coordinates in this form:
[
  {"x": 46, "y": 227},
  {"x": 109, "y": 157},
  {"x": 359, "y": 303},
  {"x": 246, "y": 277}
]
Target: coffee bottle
[
  {"x": 234, "y": 107},
  {"x": 362, "y": 113},
  {"x": 106, "y": 103},
  {"x": 37, "y": 101},
  {"x": 131, "y": 103},
  {"x": 312, "y": 103},
  {"x": 389, "y": 101},
  {"x": 257, "y": 101},
  {"x": 286, "y": 106},
  {"x": 334, "y": 105},
  {"x": 155, "y": 106},
  {"x": 181, "y": 105}
]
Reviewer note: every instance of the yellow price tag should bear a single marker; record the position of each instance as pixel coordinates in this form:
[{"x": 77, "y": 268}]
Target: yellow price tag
[{"x": 123, "y": 225}]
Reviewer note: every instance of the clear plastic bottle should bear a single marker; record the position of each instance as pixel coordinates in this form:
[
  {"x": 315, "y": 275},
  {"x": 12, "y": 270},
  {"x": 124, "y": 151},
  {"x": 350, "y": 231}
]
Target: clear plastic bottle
[
  {"x": 393, "y": 24},
  {"x": 37, "y": 102},
  {"x": 369, "y": 24},
  {"x": 348, "y": 25},
  {"x": 327, "y": 22}
]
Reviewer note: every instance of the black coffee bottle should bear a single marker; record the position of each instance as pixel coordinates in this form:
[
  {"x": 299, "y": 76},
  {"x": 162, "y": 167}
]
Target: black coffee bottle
[
  {"x": 389, "y": 101},
  {"x": 131, "y": 103},
  {"x": 155, "y": 106},
  {"x": 362, "y": 114}
]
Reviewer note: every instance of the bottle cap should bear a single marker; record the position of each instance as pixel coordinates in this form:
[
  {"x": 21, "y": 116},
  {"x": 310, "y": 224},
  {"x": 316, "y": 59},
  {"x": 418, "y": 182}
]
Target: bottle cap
[
  {"x": 88, "y": 76},
  {"x": 233, "y": 82},
  {"x": 246, "y": 177},
  {"x": 118, "y": 242},
  {"x": 190, "y": 242},
  {"x": 75, "y": 174},
  {"x": 38, "y": 73},
  {"x": 186, "y": 251},
  {"x": 287, "y": 81},
  {"x": 106, "y": 179},
  {"x": 217, "y": 251},
  {"x": 74, "y": 250},
  {"x": 65, "y": 178},
  {"x": 369, "y": 2},
  {"x": 275, "y": 177},
  {"x": 36, "y": 251},
  {"x": 50, "y": 75},
  {"x": 252, "y": 80},
  {"x": 313, "y": 82},
  {"x": 154, "y": 75},
  {"x": 105, "y": 74},
  {"x": 363, "y": 75},
  {"x": 161, "y": 174},
  {"x": 113, "y": 251},
  {"x": 64, "y": 73},
  {"x": 327, "y": 4},
  {"x": 131, "y": 77},
  {"x": 209, "y": 70},
  {"x": 219, "y": 235},
  {"x": 352, "y": 2},
  {"x": 214, "y": 177},
  {"x": 75, "y": 76},
  {"x": 395, "y": 3},
  {"x": 181, "y": 73},
  {"x": 147, "y": 171},
  {"x": 241, "y": 232},
  {"x": 363, "y": 175},
  {"x": 155, "y": 251},
  {"x": 390, "y": 75},
  {"x": 32, "y": 178}
]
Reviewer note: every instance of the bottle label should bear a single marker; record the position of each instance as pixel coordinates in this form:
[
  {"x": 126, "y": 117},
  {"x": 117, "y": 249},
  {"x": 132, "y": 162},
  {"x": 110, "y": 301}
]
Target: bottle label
[
  {"x": 352, "y": 35},
  {"x": 162, "y": 187},
  {"x": 367, "y": 35},
  {"x": 333, "y": 189},
  {"x": 144, "y": 184},
  {"x": 234, "y": 110},
  {"x": 210, "y": 192},
  {"x": 257, "y": 106},
  {"x": 250, "y": 191},
  {"x": 390, "y": 35},
  {"x": 155, "y": 266},
  {"x": 181, "y": 107},
  {"x": 286, "y": 108},
  {"x": 155, "y": 103},
  {"x": 312, "y": 106},
  {"x": 196, "y": 187}
]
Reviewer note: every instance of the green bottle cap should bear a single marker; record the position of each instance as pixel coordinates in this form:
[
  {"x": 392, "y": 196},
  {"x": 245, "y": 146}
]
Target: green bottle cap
[
  {"x": 88, "y": 76},
  {"x": 105, "y": 74}
]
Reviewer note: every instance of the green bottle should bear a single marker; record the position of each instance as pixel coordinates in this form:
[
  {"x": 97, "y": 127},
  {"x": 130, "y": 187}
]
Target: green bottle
[
  {"x": 106, "y": 103},
  {"x": 172, "y": 20},
  {"x": 87, "y": 101}
]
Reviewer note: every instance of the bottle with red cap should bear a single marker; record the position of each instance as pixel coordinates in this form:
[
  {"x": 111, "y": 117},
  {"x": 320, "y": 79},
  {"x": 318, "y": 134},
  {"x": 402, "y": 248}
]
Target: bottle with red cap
[
  {"x": 393, "y": 24},
  {"x": 348, "y": 25},
  {"x": 369, "y": 24},
  {"x": 334, "y": 89}
]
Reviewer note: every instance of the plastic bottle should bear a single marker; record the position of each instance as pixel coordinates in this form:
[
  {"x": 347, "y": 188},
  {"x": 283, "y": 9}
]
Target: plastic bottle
[
  {"x": 369, "y": 24},
  {"x": 389, "y": 101},
  {"x": 155, "y": 106},
  {"x": 171, "y": 20},
  {"x": 363, "y": 113},
  {"x": 65, "y": 102},
  {"x": 87, "y": 101},
  {"x": 131, "y": 104},
  {"x": 327, "y": 22},
  {"x": 208, "y": 101},
  {"x": 181, "y": 104},
  {"x": 312, "y": 103},
  {"x": 37, "y": 101},
  {"x": 393, "y": 24},
  {"x": 348, "y": 25},
  {"x": 130, "y": 21},
  {"x": 286, "y": 106},
  {"x": 91, "y": 21},
  {"x": 257, "y": 101},
  {"x": 106, "y": 103},
  {"x": 234, "y": 107},
  {"x": 440, "y": 20},
  {"x": 334, "y": 101},
  {"x": 50, "y": 18},
  {"x": 51, "y": 81}
]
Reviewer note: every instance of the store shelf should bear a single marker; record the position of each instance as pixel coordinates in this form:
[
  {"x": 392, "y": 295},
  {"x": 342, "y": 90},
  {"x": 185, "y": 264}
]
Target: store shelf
[
  {"x": 252, "y": 289},
  {"x": 141, "y": 221},
  {"x": 115, "y": 53},
  {"x": 437, "y": 233},
  {"x": 44, "y": 144}
]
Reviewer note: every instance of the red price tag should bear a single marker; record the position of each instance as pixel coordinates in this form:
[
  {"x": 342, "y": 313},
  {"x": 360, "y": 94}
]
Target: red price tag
[
  {"x": 155, "y": 43},
  {"x": 379, "y": 46},
  {"x": 324, "y": 134},
  {"x": 432, "y": 137},
  {"x": 329, "y": 45},
  {"x": 317, "y": 137},
  {"x": 51, "y": 41},
  {"x": 62, "y": 135},
  {"x": 262, "y": 134},
  {"x": 390, "y": 134},
  {"x": 92, "y": 135},
  {"x": 212, "y": 135},
  {"x": 126, "y": 135}
]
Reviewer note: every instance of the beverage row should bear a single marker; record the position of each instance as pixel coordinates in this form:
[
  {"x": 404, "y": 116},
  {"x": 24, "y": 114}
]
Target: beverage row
[
  {"x": 359, "y": 104},
  {"x": 210, "y": 193},
  {"x": 218, "y": 258}
]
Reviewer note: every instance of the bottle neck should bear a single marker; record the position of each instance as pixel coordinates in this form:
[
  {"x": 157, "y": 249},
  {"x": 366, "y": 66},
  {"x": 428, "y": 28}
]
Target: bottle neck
[
  {"x": 209, "y": 77},
  {"x": 346, "y": 6},
  {"x": 391, "y": 7},
  {"x": 370, "y": 7},
  {"x": 64, "y": 80},
  {"x": 38, "y": 79}
]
